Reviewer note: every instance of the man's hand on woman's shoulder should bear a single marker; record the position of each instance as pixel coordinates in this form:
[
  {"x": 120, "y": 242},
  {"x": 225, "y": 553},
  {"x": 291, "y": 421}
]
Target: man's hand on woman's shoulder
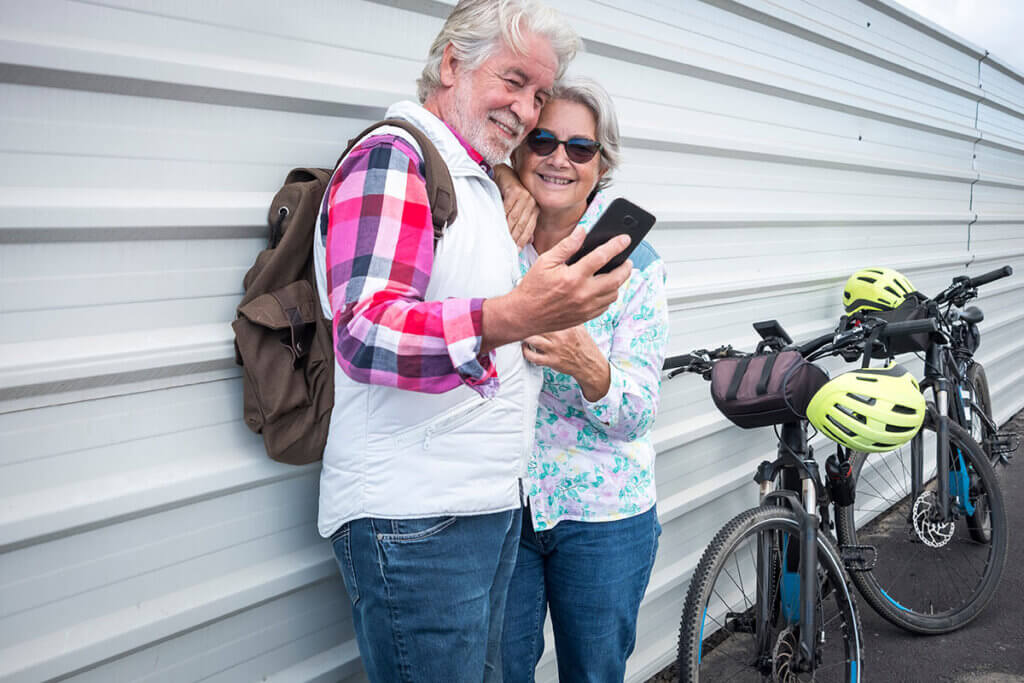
[{"x": 520, "y": 209}]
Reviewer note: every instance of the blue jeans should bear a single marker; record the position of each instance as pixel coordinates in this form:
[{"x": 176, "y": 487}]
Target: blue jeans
[
  {"x": 428, "y": 595},
  {"x": 592, "y": 576}
]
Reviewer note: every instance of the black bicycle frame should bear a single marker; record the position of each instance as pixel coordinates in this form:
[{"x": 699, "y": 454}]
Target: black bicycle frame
[{"x": 799, "y": 481}]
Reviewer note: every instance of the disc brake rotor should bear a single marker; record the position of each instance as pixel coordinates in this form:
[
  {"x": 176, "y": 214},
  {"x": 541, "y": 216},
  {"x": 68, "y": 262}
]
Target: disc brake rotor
[
  {"x": 784, "y": 656},
  {"x": 932, "y": 533}
]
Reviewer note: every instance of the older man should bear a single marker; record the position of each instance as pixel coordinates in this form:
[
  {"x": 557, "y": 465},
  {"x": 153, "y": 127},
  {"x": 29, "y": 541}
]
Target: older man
[{"x": 420, "y": 490}]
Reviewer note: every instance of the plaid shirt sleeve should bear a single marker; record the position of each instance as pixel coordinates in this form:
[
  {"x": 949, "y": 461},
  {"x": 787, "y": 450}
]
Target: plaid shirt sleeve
[{"x": 379, "y": 240}]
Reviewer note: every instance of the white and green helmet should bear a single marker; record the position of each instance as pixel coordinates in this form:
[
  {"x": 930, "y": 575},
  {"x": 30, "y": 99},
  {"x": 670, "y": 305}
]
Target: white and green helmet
[
  {"x": 873, "y": 410},
  {"x": 875, "y": 289}
]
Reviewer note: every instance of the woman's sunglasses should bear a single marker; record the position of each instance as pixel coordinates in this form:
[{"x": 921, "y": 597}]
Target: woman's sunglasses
[{"x": 579, "y": 150}]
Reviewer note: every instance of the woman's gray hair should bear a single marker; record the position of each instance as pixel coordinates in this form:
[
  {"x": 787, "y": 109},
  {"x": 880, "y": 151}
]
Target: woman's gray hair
[
  {"x": 590, "y": 94},
  {"x": 475, "y": 27}
]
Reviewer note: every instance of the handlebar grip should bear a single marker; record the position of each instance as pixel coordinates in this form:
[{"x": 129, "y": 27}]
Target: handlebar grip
[
  {"x": 682, "y": 361},
  {"x": 909, "y": 327},
  {"x": 990, "y": 276}
]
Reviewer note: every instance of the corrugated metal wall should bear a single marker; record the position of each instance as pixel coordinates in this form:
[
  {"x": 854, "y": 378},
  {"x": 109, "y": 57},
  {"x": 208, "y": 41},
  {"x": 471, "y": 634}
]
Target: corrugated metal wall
[{"x": 143, "y": 534}]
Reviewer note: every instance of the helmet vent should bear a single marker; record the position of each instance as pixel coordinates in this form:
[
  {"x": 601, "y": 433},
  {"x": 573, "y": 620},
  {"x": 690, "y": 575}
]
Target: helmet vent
[
  {"x": 869, "y": 280},
  {"x": 843, "y": 428},
  {"x": 866, "y": 379},
  {"x": 892, "y": 290},
  {"x": 903, "y": 410},
  {"x": 898, "y": 429},
  {"x": 867, "y": 400},
  {"x": 878, "y": 444},
  {"x": 855, "y": 415}
]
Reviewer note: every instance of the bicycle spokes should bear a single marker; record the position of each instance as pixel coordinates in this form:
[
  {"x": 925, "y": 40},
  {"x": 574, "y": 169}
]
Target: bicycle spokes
[{"x": 750, "y": 610}]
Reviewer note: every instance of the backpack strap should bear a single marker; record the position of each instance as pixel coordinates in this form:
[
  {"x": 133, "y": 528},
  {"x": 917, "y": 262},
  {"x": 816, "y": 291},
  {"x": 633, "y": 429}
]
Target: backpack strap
[{"x": 440, "y": 190}]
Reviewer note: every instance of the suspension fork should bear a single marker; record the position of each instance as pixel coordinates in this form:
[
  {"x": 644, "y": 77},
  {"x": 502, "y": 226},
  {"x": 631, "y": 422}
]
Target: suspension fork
[
  {"x": 808, "y": 571},
  {"x": 936, "y": 368},
  {"x": 794, "y": 441},
  {"x": 809, "y": 565},
  {"x": 766, "y": 596},
  {"x": 942, "y": 450}
]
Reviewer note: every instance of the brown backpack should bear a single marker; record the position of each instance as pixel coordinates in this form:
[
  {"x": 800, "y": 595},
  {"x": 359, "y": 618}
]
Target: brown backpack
[{"x": 282, "y": 340}]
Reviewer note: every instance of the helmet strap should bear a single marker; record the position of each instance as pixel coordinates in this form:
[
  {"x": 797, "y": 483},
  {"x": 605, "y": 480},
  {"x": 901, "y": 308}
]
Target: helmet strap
[{"x": 869, "y": 346}]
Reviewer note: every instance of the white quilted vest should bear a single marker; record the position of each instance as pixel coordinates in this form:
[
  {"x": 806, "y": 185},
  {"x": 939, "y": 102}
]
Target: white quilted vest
[{"x": 402, "y": 454}]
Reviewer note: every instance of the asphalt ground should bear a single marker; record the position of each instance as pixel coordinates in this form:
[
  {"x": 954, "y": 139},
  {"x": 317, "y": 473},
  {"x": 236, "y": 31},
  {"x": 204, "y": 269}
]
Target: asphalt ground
[{"x": 988, "y": 650}]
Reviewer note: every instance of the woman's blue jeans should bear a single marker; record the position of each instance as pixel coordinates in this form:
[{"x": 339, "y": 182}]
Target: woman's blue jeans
[
  {"x": 592, "y": 576},
  {"x": 428, "y": 595}
]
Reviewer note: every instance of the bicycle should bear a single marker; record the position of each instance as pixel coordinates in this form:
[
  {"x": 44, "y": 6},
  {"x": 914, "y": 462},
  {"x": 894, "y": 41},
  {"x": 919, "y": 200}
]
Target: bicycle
[
  {"x": 755, "y": 590},
  {"x": 973, "y": 407},
  {"x": 909, "y": 513}
]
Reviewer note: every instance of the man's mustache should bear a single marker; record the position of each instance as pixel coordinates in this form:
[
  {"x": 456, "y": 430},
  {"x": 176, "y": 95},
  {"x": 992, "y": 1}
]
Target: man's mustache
[{"x": 512, "y": 121}]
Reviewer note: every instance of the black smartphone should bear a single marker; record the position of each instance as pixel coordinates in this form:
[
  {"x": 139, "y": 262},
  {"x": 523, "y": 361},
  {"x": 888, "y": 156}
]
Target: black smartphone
[{"x": 622, "y": 217}]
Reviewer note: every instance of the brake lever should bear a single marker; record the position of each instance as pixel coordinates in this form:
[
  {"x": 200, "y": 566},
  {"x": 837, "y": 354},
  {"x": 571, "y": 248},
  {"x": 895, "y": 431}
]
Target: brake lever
[
  {"x": 845, "y": 336},
  {"x": 719, "y": 353}
]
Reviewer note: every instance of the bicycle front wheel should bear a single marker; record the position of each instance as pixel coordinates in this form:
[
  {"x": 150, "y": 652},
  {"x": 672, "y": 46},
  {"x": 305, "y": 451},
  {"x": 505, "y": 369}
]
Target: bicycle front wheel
[
  {"x": 979, "y": 429},
  {"x": 929, "y": 576},
  {"x": 741, "y": 619}
]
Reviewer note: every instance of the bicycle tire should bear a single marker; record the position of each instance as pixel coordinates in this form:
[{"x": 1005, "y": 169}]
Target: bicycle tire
[
  {"x": 983, "y": 400},
  {"x": 918, "y": 587},
  {"x": 706, "y": 657},
  {"x": 979, "y": 523}
]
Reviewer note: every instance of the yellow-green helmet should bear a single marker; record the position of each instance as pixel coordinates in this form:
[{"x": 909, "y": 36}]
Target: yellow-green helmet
[
  {"x": 875, "y": 289},
  {"x": 871, "y": 409}
]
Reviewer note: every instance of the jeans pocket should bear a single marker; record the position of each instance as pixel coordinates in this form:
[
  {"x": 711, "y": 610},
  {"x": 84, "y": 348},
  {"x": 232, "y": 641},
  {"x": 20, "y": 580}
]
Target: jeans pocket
[
  {"x": 413, "y": 530},
  {"x": 341, "y": 543}
]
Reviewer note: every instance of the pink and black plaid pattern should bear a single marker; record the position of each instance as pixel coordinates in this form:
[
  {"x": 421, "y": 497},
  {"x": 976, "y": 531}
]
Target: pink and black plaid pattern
[{"x": 377, "y": 231}]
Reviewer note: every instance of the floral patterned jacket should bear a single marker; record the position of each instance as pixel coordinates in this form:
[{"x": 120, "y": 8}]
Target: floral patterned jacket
[{"x": 594, "y": 461}]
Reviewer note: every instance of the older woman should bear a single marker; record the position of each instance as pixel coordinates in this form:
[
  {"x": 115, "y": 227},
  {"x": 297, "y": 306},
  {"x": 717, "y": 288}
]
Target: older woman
[{"x": 591, "y": 530}]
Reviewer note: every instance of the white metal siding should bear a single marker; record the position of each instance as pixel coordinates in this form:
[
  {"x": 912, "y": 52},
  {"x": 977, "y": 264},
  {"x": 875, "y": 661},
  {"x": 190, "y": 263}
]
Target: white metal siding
[{"x": 143, "y": 533}]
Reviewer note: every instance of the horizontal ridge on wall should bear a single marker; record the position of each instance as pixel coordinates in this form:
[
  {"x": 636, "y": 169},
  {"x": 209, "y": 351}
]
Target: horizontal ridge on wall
[
  {"x": 36, "y": 369},
  {"x": 107, "y": 636},
  {"x": 35, "y": 63},
  {"x": 46, "y": 514}
]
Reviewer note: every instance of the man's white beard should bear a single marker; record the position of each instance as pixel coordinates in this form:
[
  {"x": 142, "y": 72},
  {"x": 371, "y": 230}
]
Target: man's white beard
[{"x": 493, "y": 149}]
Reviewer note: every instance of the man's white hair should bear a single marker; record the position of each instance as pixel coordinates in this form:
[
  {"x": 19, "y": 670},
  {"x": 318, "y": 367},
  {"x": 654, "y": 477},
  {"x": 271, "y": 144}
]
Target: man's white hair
[{"x": 476, "y": 28}]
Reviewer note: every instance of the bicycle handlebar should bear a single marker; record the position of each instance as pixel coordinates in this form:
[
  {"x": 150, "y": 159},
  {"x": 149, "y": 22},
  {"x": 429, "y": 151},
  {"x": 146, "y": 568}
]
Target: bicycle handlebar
[
  {"x": 814, "y": 344},
  {"x": 701, "y": 360},
  {"x": 965, "y": 288},
  {"x": 909, "y": 327},
  {"x": 991, "y": 276}
]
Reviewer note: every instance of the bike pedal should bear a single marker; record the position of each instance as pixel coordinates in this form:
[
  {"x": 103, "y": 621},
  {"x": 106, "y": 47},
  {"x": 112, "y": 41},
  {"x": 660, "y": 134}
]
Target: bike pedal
[
  {"x": 858, "y": 558},
  {"x": 740, "y": 622},
  {"x": 1004, "y": 444}
]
